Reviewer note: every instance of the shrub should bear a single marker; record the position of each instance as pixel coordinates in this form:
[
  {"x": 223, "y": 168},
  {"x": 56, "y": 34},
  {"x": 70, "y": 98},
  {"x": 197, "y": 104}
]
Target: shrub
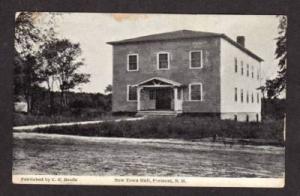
[{"x": 181, "y": 127}]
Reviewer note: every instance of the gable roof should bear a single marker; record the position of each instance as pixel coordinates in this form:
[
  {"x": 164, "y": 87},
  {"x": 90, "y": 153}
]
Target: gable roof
[
  {"x": 184, "y": 34},
  {"x": 158, "y": 79}
]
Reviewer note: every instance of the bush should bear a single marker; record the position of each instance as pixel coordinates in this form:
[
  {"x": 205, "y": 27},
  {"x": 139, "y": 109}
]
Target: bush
[
  {"x": 181, "y": 127},
  {"x": 87, "y": 114}
]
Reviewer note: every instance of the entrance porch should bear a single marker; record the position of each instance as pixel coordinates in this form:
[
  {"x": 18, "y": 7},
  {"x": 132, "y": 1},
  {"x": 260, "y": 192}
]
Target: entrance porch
[{"x": 159, "y": 96}]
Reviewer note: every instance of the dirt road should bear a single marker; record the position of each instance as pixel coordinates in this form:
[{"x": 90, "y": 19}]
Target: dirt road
[{"x": 75, "y": 155}]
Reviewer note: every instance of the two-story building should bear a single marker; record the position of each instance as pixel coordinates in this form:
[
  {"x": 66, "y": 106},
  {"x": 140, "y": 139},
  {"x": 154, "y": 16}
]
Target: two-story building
[{"x": 187, "y": 72}]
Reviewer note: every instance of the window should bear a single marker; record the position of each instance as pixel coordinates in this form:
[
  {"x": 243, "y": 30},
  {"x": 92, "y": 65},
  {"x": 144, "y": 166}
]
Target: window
[
  {"x": 257, "y": 74},
  {"x": 257, "y": 96},
  {"x": 131, "y": 93},
  {"x": 235, "y": 65},
  {"x": 247, "y": 70},
  {"x": 196, "y": 59},
  {"x": 252, "y": 98},
  {"x": 247, "y": 118},
  {"x": 132, "y": 62},
  {"x": 242, "y": 68},
  {"x": 252, "y": 71},
  {"x": 152, "y": 94},
  {"x": 195, "y": 92},
  {"x": 235, "y": 117},
  {"x": 163, "y": 60},
  {"x": 247, "y": 97},
  {"x": 235, "y": 95},
  {"x": 242, "y": 96}
]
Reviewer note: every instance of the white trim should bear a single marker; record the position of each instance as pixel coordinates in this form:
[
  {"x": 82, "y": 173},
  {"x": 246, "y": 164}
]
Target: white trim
[
  {"x": 138, "y": 97},
  {"x": 172, "y": 83},
  {"x": 127, "y": 94},
  {"x": 157, "y": 60},
  {"x": 201, "y": 91},
  {"x": 137, "y": 61},
  {"x": 201, "y": 59},
  {"x": 156, "y": 86}
]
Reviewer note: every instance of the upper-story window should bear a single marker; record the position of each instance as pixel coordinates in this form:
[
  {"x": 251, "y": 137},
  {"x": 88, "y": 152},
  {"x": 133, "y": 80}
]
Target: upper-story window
[
  {"x": 196, "y": 59},
  {"x": 257, "y": 97},
  {"x": 163, "y": 60},
  {"x": 131, "y": 93},
  {"x": 195, "y": 92},
  {"x": 242, "y": 68},
  {"x": 257, "y": 74},
  {"x": 247, "y": 70},
  {"x": 235, "y": 65},
  {"x": 132, "y": 62},
  {"x": 252, "y": 98},
  {"x": 252, "y": 71}
]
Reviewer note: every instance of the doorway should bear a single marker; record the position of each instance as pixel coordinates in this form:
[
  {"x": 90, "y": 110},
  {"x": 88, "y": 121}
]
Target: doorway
[{"x": 163, "y": 98}]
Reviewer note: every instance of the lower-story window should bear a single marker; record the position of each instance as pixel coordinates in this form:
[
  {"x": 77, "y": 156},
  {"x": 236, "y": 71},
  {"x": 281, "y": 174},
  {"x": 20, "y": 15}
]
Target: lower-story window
[
  {"x": 131, "y": 93},
  {"x": 242, "y": 96},
  {"x": 195, "y": 92}
]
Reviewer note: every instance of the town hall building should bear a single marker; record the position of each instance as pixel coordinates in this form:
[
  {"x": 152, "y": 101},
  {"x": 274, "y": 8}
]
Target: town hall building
[{"x": 192, "y": 72}]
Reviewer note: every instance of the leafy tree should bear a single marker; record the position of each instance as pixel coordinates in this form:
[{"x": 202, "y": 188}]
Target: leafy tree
[
  {"x": 108, "y": 89},
  {"x": 61, "y": 63},
  {"x": 28, "y": 38},
  {"x": 277, "y": 85}
]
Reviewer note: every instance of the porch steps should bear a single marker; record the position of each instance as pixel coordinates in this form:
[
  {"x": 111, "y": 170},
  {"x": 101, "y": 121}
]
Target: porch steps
[{"x": 157, "y": 113}]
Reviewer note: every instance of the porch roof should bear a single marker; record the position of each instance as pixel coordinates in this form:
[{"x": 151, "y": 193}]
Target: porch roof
[{"x": 157, "y": 81}]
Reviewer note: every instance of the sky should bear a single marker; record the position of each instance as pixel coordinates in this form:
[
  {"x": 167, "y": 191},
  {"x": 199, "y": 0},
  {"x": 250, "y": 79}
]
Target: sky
[{"x": 93, "y": 30}]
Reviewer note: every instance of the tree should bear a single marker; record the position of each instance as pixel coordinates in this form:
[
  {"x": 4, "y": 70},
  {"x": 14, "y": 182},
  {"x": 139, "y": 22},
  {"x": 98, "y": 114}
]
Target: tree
[
  {"x": 108, "y": 89},
  {"x": 275, "y": 86},
  {"x": 28, "y": 38},
  {"x": 61, "y": 63}
]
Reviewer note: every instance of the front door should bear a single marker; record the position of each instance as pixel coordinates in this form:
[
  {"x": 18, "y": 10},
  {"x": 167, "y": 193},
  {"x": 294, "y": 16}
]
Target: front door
[{"x": 163, "y": 99}]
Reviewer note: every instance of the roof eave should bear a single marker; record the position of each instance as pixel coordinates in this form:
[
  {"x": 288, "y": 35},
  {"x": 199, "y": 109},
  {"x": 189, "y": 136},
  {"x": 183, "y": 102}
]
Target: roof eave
[
  {"x": 155, "y": 40},
  {"x": 242, "y": 48}
]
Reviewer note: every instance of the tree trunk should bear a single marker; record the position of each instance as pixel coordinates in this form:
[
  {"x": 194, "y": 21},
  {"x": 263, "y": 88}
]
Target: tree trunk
[{"x": 28, "y": 101}]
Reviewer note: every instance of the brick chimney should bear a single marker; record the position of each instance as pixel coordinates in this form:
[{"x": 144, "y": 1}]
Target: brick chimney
[{"x": 241, "y": 40}]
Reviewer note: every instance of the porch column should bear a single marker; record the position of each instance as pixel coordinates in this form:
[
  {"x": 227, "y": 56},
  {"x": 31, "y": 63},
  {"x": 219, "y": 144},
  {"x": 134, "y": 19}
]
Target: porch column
[
  {"x": 139, "y": 88},
  {"x": 175, "y": 98}
]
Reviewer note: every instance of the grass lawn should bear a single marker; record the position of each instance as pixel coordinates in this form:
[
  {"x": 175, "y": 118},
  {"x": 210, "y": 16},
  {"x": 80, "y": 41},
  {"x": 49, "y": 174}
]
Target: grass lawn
[{"x": 176, "y": 127}]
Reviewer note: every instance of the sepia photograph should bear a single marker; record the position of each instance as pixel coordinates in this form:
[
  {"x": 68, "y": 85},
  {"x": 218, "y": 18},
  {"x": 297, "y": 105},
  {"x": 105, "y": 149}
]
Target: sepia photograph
[{"x": 149, "y": 99}]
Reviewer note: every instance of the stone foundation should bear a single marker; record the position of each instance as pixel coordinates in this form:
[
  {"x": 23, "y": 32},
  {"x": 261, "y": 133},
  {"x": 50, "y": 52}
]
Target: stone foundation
[{"x": 242, "y": 116}]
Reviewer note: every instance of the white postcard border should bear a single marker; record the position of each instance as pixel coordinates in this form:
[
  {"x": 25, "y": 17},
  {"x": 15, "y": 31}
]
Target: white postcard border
[{"x": 149, "y": 181}]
